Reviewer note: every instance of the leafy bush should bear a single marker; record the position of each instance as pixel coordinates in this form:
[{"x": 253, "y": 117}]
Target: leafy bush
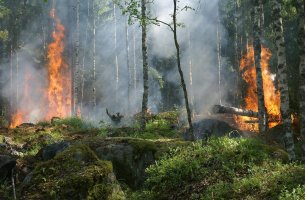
[{"x": 223, "y": 168}]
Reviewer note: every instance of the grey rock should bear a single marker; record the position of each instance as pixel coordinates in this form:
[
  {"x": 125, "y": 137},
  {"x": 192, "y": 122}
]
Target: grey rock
[
  {"x": 50, "y": 151},
  {"x": 128, "y": 164}
]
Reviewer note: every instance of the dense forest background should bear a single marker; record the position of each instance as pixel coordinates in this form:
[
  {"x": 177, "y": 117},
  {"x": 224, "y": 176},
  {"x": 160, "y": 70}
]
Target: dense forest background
[{"x": 103, "y": 51}]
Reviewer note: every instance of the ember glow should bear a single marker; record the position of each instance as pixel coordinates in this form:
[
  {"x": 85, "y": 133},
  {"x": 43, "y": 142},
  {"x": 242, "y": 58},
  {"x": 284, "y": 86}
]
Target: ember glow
[
  {"x": 56, "y": 99},
  {"x": 272, "y": 96}
]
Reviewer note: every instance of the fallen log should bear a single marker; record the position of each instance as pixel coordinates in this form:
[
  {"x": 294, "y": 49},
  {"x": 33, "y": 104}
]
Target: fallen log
[{"x": 220, "y": 109}]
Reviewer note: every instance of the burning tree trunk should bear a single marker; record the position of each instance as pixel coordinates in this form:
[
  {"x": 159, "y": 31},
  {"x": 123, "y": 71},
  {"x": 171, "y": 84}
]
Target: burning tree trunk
[
  {"x": 145, "y": 63},
  {"x": 282, "y": 73},
  {"x": 219, "y": 109},
  {"x": 301, "y": 42},
  {"x": 257, "y": 53}
]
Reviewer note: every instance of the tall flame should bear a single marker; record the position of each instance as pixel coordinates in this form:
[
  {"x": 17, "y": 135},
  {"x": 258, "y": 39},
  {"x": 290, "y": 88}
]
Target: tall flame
[
  {"x": 271, "y": 95},
  {"x": 59, "y": 88},
  {"x": 57, "y": 93}
]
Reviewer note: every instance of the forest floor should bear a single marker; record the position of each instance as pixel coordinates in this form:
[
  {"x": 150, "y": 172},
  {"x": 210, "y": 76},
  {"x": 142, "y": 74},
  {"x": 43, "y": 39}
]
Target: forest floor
[{"x": 71, "y": 159}]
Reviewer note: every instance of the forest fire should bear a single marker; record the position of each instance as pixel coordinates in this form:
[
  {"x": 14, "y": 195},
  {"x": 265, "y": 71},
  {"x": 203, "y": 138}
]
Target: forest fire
[
  {"x": 59, "y": 87},
  {"x": 57, "y": 92},
  {"x": 272, "y": 96}
]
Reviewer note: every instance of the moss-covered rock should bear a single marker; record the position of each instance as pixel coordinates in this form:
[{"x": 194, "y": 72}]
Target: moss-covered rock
[
  {"x": 76, "y": 173},
  {"x": 131, "y": 156}
]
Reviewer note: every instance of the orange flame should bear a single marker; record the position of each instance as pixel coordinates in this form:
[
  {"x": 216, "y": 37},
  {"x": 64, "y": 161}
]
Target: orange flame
[
  {"x": 17, "y": 119},
  {"x": 58, "y": 91},
  {"x": 59, "y": 88},
  {"x": 271, "y": 95}
]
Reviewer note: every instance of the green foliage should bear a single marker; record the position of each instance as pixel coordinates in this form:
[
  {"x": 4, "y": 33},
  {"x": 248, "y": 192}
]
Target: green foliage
[
  {"x": 74, "y": 123},
  {"x": 222, "y": 169},
  {"x": 162, "y": 125},
  {"x": 297, "y": 193}
]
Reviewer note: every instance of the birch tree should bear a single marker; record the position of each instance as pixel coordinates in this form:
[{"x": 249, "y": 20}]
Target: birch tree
[
  {"x": 282, "y": 77},
  {"x": 257, "y": 31},
  {"x": 132, "y": 9}
]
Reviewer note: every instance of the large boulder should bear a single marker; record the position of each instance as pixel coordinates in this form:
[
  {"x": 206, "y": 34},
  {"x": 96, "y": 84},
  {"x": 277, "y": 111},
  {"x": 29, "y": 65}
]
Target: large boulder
[
  {"x": 76, "y": 173},
  {"x": 130, "y": 157}
]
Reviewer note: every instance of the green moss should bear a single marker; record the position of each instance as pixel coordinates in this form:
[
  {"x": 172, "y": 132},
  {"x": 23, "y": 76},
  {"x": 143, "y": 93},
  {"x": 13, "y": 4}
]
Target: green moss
[{"x": 76, "y": 173}]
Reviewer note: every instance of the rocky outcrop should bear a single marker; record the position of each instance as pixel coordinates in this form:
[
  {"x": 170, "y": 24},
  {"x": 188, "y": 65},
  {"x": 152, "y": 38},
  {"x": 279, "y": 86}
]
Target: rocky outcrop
[{"x": 76, "y": 173}]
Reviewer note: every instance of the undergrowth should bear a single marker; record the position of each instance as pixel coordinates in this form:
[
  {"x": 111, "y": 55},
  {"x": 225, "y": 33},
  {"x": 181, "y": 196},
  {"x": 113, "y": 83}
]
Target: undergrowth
[{"x": 224, "y": 169}]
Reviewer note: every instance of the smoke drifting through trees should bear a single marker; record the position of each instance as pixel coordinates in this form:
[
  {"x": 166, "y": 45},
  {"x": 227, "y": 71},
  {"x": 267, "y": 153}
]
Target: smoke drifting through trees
[{"x": 201, "y": 24}]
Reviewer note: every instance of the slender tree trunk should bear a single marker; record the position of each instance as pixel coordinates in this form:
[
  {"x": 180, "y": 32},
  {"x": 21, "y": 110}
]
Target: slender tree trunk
[
  {"x": 17, "y": 78},
  {"x": 116, "y": 55},
  {"x": 134, "y": 61},
  {"x": 128, "y": 65},
  {"x": 191, "y": 73},
  {"x": 84, "y": 59},
  {"x": 236, "y": 53},
  {"x": 145, "y": 64},
  {"x": 76, "y": 77},
  {"x": 11, "y": 77},
  {"x": 219, "y": 57},
  {"x": 188, "y": 110},
  {"x": 94, "y": 63},
  {"x": 301, "y": 43},
  {"x": 259, "y": 79},
  {"x": 282, "y": 77}
]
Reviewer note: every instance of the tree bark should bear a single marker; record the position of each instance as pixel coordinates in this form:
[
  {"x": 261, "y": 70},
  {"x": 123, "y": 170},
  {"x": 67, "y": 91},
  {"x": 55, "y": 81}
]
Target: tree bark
[
  {"x": 282, "y": 77},
  {"x": 76, "y": 76},
  {"x": 191, "y": 73},
  {"x": 188, "y": 110},
  {"x": 301, "y": 43},
  {"x": 84, "y": 58},
  {"x": 94, "y": 62},
  {"x": 259, "y": 79},
  {"x": 237, "y": 95},
  {"x": 219, "y": 57},
  {"x": 145, "y": 64},
  {"x": 116, "y": 55}
]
